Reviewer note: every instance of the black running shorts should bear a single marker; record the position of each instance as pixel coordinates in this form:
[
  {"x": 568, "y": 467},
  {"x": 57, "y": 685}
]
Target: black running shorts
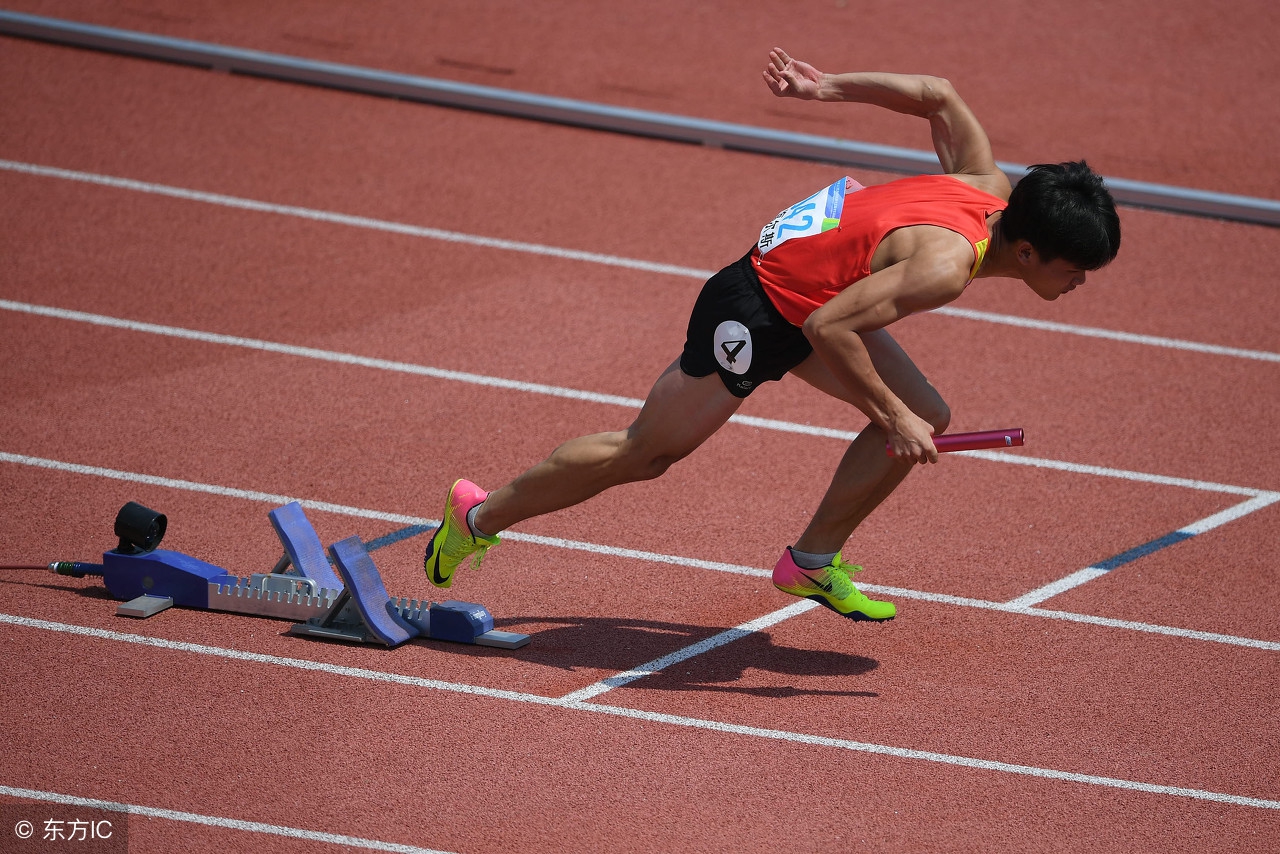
[{"x": 735, "y": 331}]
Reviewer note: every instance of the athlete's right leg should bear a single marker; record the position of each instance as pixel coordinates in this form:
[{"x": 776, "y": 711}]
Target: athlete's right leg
[
  {"x": 866, "y": 475},
  {"x": 864, "y": 478},
  {"x": 680, "y": 413}
]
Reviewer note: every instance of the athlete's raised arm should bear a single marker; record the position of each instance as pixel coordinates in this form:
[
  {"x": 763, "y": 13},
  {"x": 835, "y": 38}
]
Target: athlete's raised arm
[{"x": 958, "y": 138}]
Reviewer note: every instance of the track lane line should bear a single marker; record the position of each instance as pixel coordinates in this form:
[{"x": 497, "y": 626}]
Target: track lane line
[
  {"x": 1121, "y": 474},
  {"x": 966, "y": 762},
  {"x": 422, "y": 524},
  {"x": 333, "y": 218},
  {"x": 685, "y": 653},
  {"x": 339, "y": 357},
  {"x": 1107, "y": 334},
  {"x": 1259, "y": 498},
  {"x": 210, "y": 821},
  {"x": 406, "y": 229},
  {"x": 1186, "y": 532}
]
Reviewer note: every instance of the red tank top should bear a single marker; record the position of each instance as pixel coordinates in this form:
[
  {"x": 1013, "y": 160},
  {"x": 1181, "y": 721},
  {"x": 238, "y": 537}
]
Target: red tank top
[{"x": 816, "y": 248}]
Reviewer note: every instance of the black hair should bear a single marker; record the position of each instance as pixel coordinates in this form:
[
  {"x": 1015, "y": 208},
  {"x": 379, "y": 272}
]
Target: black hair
[{"x": 1064, "y": 211}]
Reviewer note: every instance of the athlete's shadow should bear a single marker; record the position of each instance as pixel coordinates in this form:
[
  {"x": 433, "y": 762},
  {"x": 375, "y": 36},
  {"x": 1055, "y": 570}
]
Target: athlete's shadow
[
  {"x": 610, "y": 645},
  {"x": 619, "y": 645}
]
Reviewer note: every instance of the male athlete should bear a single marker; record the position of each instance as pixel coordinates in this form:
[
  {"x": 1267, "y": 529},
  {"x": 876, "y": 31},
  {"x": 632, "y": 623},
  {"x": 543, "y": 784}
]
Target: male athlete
[{"x": 814, "y": 298}]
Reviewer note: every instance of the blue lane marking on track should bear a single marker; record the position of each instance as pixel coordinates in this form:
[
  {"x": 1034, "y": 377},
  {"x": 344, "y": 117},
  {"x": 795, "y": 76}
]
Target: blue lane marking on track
[
  {"x": 396, "y": 536},
  {"x": 1142, "y": 550}
]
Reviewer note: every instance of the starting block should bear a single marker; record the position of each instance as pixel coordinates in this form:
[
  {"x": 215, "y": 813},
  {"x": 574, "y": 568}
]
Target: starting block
[
  {"x": 350, "y": 605},
  {"x": 365, "y": 613}
]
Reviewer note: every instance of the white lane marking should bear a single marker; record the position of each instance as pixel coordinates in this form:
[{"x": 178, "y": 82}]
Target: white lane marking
[
  {"x": 1231, "y": 514},
  {"x": 575, "y": 394},
  {"x": 614, "y": 551},
  {"x": 315, "y": 353},
  {"x": 578, "y": 255},
  {"x": 1095, "y": 332},
  {"x": 639, "y": 714},
  {"x": 1068, "y": 616},
  {"x": 1089, "y": 573},
  {"x": 332, "y": 218},
  {"x": 210, "y": 489},
  {"x": 1119, "y": 474},
  {"x": 685, "y": 653},
  {"x": 929, "y": 756},
  {"x": 1062, "y": 585},
  {"x": 211, "y": 821}
]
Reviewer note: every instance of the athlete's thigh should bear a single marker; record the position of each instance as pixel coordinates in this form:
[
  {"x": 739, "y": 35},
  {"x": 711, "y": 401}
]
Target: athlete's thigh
[
  {"x": 681, "y": 412},
  {"x": 893, "y": 365}
]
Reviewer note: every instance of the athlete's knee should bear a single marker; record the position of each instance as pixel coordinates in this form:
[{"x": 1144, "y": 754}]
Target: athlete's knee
[
  {"x": 932, "y": 408},
  {"x": 644, "y": 456},
  {"x": 938, "y": 414},
  {"x": 648, "y": 464}
]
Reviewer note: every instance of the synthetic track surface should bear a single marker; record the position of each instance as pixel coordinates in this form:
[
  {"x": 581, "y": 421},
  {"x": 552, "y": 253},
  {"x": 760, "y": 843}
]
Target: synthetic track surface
[{"x": 206, "y": 360}]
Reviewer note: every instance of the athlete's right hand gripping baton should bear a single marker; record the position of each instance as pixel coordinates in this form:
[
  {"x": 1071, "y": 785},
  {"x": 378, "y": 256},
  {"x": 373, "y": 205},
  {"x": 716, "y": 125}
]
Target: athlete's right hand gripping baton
[{"x": 973, "y": 441}]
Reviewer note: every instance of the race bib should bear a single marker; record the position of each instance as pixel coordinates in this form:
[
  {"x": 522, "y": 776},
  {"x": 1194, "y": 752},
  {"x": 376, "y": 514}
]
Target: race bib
[{"x": 816, "y": 214}]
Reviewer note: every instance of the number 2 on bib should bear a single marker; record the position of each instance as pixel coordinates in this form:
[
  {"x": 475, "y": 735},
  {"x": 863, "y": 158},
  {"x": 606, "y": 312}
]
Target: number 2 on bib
[{"x": 816, "y": 214}]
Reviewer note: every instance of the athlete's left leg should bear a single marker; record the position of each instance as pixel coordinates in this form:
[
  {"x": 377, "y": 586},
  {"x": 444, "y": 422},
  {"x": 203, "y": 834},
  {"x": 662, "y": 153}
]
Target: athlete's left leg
[{"x": 680, "y": 413}]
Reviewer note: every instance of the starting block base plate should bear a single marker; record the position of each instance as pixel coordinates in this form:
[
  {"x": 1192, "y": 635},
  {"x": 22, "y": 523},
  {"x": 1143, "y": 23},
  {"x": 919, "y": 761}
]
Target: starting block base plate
[
  {"x": 144, "y": 606},
  {"x": 501, "y": 640},
  {"x": 494, "y": 638},
  {"x": 338, "y": 633}
]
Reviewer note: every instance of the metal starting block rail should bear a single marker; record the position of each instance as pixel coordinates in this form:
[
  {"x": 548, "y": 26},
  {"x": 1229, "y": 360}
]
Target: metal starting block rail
[{"x": 350, "y": 605}]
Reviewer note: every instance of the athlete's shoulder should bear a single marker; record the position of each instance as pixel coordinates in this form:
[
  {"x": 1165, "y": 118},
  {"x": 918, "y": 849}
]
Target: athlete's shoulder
[
  {"x": 943, "y": 189},
  {"x": 992, "y": 183},
  {"x": 935, "y": 252}
]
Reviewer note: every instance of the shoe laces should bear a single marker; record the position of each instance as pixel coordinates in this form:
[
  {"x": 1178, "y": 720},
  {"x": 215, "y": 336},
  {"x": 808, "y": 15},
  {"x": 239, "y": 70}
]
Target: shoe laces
[
  {"x": 839, "y": 573},
  {"x": 467, "y": 546},
  {"x": 481, "y": 549}
]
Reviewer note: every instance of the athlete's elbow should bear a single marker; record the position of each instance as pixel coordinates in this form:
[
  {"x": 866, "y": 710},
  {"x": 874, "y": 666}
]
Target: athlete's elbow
[
  {"x": 816, "y": 330},
  {"x": 824, "y": 334},
  {"x": 935, "y": 93},
  {"x": 828, "y": 323}
]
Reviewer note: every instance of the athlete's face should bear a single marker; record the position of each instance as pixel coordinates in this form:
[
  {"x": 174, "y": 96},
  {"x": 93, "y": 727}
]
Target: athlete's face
[{"x": 1051, "y": 279}]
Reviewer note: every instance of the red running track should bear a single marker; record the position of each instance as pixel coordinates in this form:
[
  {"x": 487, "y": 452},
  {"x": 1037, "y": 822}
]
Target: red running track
[{"x": 980, "y": 716}]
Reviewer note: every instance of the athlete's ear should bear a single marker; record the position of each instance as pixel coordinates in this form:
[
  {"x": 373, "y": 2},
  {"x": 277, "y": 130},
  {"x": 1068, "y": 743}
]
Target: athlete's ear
[{"x": 1025, "y": 252}]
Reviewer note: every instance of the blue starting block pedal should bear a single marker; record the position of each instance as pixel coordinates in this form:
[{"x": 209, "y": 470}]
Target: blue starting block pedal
[
  {"x": 303, "y": 552},
  {"x": 365, "y": 613}
]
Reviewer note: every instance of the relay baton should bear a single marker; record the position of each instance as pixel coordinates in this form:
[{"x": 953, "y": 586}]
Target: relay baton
[{"x": 973, "y": 441}]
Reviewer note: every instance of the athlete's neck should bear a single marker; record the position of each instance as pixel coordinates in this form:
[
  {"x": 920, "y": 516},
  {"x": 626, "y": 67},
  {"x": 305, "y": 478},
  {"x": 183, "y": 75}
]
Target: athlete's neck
[{"x": 999, "y": 261}]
